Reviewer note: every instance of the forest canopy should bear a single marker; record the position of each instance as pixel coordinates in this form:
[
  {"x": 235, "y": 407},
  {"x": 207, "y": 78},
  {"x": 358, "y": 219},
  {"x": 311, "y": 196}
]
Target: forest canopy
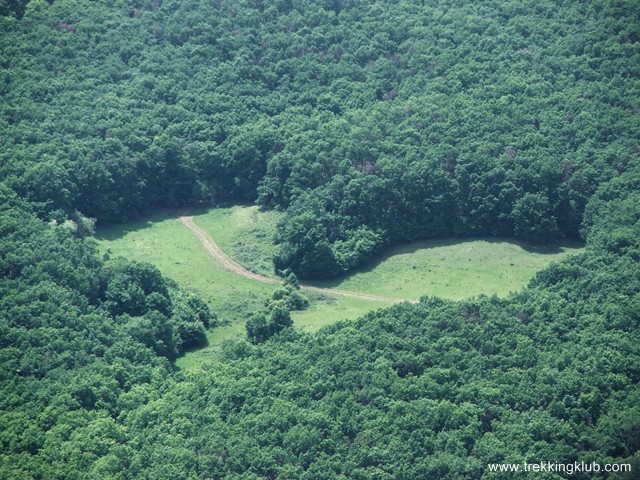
[
  {"x": 378, "y": 122},
  {"x": 367, "y": 124}
]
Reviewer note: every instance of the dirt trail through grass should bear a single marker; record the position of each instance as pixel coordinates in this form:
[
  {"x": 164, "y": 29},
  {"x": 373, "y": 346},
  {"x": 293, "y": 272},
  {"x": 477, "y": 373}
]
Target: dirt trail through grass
[{"x": 216, "y": 252}]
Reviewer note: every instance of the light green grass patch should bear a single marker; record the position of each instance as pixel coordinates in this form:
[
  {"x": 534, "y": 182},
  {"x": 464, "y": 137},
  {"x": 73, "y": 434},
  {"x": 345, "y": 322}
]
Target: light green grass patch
[
  {"x": 453, "y": 269},
  {"x": 245, "y": 233},
  {"x": 323, "y": 311},
  {"x": 164, "y": 242},
  {"x": 327, "y": 309}
]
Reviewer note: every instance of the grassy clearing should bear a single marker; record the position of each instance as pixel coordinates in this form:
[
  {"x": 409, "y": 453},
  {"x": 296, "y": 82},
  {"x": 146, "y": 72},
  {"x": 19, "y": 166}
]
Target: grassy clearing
[
  {"x": 446, "y": 268},
  {"x": 322, "y": 311},
  {"x": 161, "y": 240},
  {"x": 453, "y": 269},
  {"x": 164, "y": 242}
]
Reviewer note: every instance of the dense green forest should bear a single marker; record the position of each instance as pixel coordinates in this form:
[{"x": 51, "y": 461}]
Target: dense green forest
[
  {"x": 371, "y": 123},
  {"x": 368, "y": 124}
]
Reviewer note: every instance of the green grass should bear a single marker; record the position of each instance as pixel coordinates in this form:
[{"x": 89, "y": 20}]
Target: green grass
[
  {"x": 451, "y": 269},
  {"x": 322, "y": 311},
  {"x": 245, "y": 233},
  {"x": 164, "y": 242},
  {"x": 161, "y": 240}
]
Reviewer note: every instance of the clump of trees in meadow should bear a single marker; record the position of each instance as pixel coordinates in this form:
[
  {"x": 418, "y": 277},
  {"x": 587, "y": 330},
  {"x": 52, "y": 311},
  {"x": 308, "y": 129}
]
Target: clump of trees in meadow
[
  {"x": 368, "y": 124},
  {"x": 276, "y": 316}
]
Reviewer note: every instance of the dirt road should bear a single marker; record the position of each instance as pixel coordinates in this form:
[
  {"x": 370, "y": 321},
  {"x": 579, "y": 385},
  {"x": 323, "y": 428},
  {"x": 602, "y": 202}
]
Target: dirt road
[{"x": 225, "y": 261}]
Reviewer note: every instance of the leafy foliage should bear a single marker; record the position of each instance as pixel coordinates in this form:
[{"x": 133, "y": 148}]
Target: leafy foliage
[
  {"x": 261, "y": 327},
  {"x": 82, "y": 341}
]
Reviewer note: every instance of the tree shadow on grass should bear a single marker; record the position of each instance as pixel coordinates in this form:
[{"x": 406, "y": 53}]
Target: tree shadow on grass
[
  {"x": 115, "y": 231},
  {"x": 552, "y": 248}
]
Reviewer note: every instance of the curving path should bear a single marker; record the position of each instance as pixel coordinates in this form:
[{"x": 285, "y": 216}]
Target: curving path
[{"x": 229, "y": 264}]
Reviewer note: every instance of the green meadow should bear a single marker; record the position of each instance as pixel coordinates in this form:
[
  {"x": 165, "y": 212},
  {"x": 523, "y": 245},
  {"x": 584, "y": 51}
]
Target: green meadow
[
  {"x": 164, "y": 242},
  {"x": 452, "y": 269}
]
